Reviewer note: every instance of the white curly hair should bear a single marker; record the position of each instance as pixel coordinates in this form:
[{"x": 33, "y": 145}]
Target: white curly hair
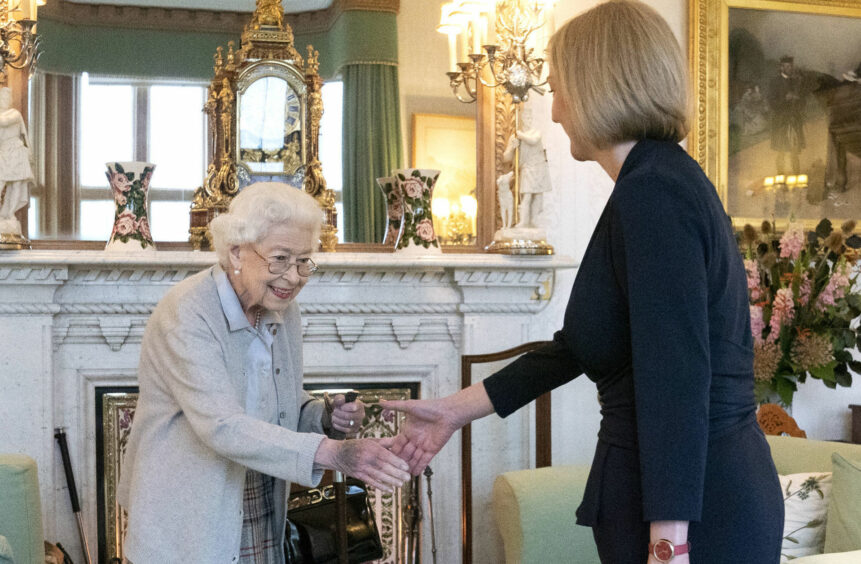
[{"x": 257, "y": 209}]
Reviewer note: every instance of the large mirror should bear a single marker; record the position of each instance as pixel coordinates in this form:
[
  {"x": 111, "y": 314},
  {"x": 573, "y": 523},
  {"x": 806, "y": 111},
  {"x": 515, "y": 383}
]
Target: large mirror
[{"x": 139, "y": 61}]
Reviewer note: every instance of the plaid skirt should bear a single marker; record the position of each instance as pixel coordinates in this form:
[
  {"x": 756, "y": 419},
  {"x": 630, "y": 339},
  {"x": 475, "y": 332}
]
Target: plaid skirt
[{"x": 259, "y": 543}]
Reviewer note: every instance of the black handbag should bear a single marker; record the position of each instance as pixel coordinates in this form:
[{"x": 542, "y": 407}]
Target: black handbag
[{"x": 312, "y": 521}]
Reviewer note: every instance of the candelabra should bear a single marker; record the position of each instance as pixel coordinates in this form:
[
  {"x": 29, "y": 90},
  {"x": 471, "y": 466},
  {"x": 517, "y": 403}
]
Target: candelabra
[
  {"x": 511, "y": 63},
  {"x": 19, "y": 42}
]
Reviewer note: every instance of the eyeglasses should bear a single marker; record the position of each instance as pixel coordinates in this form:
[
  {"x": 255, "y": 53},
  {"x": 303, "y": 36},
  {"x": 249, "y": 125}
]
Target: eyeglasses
[{"x": 280, "y": 264}]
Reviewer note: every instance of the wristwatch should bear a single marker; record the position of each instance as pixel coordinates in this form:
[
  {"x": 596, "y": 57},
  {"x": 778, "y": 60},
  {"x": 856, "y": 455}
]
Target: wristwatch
[{"x": 664, "y": 550}]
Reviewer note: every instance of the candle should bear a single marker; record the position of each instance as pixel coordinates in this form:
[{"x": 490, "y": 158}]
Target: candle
[
  {"x": 452, "y": 52},
  {"x": 476, "y": 32}
]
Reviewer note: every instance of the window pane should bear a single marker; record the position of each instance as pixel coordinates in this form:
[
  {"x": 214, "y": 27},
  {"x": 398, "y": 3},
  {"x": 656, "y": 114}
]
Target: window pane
[
  {"x": 97, "y": 220},
  {"x": 176, "y": 143},
  {"x": 169, "y": 220},
  {"x": 331, "y": 125},
  {"x": 107, "y": 117}
]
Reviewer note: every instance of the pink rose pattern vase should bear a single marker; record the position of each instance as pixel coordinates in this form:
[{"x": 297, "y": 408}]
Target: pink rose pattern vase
[
  {"x": 416, "y": 186},
  {"x": 129, "y": 183},
  {"x": 394, "y": 209}
]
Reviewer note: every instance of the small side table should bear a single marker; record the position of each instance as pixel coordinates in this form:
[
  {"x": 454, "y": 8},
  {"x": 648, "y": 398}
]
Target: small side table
[{"x": 856, "y": 423}]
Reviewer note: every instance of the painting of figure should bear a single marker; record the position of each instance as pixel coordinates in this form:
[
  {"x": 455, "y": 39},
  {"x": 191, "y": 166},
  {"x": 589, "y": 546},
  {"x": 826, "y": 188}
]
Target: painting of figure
[{"x": 794, "y": 115}]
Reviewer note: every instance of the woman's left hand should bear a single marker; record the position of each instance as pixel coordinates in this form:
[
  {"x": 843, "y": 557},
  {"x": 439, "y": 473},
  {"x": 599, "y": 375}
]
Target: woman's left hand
[{"x": 347, "y": 417}]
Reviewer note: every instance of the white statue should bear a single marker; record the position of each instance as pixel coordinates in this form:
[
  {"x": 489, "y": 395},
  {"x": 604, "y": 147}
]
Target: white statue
[
  {"x": 534, "y": 171},
  {"x": 505, "y": 198},
  {"x": 15, "y": 172}
]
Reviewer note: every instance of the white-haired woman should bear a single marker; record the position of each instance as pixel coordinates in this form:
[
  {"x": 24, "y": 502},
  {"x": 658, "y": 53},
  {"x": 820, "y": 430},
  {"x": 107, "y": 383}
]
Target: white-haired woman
[
  {"x": 222, "y": 425},
  {"x": 658, "y": 318}
]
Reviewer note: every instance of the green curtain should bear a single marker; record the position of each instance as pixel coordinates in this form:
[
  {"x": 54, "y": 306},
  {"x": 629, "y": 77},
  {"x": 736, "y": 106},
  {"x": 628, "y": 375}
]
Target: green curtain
[
  {"x": 371, "y": 146},
  {"x": 151, "y": 53}
]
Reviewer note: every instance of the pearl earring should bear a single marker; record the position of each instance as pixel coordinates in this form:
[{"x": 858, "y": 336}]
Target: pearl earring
[{"x": 236, "y": 271}]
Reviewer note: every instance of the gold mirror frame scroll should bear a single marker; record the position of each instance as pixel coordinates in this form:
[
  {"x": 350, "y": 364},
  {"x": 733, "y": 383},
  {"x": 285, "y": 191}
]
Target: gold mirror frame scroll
[
  {"x": 708, "y": 27},
  {"x": 266, "y": 38}
]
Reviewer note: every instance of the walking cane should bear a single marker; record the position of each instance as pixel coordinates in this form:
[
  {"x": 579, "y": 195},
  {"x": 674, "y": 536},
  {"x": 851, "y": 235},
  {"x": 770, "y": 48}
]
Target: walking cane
[
  {"x": 60, "y": 435},
  {"x": 339, "y": 484}
]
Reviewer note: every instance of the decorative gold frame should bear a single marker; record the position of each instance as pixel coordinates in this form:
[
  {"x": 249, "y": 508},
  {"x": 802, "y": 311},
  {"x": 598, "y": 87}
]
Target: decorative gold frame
[
  {"x": 117, "y": 415},
  {"x": 708, "y": 141},
  {"x": 267, "y": 41}
]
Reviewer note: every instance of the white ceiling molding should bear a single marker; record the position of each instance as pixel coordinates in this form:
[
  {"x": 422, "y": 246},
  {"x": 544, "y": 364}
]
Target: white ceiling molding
[{"x": 290, "y": 6}]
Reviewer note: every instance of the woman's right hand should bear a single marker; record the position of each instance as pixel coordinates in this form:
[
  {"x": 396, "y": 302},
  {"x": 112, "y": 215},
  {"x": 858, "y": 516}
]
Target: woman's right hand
[{"x": 368, "y": 460}]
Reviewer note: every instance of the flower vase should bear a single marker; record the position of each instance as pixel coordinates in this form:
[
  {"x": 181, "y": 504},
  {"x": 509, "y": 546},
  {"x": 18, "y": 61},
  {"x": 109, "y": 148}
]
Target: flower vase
[
  {"x": 129, "y": 182},
  {"x": 394, "y": 209},
  {"x": 417, "y": 232}
]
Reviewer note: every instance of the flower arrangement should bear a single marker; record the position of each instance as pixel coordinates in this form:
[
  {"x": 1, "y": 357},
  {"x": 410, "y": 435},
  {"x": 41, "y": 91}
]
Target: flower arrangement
[{"x": 802, "y": 304}]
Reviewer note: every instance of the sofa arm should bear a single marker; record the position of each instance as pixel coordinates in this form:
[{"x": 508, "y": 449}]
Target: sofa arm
[
  {"x": 534, "y": 511},
  {"x": 21, "y": 509},
  {"x": 834, "y": 558}
]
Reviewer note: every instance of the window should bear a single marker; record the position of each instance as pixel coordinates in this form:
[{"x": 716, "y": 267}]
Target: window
[
  {"x": 331, "y": 125},
  {"x": 157, "y": 122}
]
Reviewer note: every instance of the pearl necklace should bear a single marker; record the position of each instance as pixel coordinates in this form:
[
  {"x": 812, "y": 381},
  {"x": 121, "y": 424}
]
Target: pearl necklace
[{"x": 257, "y": 321}]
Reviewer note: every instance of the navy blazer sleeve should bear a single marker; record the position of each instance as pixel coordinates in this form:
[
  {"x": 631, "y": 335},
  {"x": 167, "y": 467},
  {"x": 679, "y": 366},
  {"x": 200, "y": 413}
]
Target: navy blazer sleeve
[
  {"x": 660, "y": 242},
  {"x": 531, "y": 375}
]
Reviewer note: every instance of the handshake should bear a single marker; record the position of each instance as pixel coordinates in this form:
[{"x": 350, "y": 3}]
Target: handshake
[{"x": 387, "y": 463}]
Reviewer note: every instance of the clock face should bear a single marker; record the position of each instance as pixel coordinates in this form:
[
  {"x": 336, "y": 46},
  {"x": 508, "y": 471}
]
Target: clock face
[
  {"x": 663, "y": 551},
  {"x": 292, "y": 113}
]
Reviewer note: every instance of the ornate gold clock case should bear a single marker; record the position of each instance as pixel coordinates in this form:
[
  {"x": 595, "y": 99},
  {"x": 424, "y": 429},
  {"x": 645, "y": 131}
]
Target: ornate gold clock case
[{"x": 264, "y": 109}]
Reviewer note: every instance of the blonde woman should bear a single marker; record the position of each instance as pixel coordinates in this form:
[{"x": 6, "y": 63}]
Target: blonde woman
[
  {"x": 658, "y": 318},
  {"x": 222, "y": 425}
]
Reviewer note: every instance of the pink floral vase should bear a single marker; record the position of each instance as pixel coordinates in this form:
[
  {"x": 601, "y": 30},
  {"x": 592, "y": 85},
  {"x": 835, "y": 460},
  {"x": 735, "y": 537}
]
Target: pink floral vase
[
  {"x": 129, "y": 183},
  {"x": 394, "y": 209},
  {"x": 417, "y": 233}
]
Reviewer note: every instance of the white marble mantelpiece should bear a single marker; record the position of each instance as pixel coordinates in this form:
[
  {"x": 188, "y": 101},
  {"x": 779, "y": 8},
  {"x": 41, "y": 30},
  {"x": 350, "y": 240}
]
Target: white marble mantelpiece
[{"x": 72, "y": 321}]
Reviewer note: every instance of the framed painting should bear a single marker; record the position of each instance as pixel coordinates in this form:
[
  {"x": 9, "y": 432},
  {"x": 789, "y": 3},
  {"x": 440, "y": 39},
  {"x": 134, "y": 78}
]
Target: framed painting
[
  {"x": 777, "y": 125},
  {"x": 447, "y": 143},
  {"x": 115, "y": 410}
]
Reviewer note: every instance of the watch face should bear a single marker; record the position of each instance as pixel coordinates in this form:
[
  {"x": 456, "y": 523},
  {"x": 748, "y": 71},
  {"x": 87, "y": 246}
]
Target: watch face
[{"x": 663, "y": 550}]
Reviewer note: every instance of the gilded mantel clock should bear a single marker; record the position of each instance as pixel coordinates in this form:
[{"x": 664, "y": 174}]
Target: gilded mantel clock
[{"x": 263, "y": 109}]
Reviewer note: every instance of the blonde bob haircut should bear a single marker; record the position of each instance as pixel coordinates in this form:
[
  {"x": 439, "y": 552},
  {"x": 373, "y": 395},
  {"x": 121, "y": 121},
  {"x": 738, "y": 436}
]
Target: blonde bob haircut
[
  {"x": 257, "y": 209},
  {"x": 622, "y": 76}
]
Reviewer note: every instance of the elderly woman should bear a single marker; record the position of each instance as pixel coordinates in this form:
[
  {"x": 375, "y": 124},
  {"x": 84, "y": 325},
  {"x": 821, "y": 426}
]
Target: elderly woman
[
  {"x": 658, "y": 318},
  {"x": 222, "y": 425}
]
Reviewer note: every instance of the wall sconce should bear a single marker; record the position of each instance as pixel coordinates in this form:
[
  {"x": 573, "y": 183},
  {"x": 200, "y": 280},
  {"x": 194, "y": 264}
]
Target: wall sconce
[{"x": 19, "y": 42}]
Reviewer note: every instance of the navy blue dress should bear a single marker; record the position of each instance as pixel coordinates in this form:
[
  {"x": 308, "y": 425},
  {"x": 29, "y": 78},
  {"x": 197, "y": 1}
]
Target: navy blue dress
[{"x": 659, "y": 319}]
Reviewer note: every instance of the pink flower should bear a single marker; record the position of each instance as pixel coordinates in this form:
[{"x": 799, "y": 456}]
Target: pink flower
[
  {"x": 425, "y": 230},
  {"x": 782, "y": 311},
  {"x": 836, "y": 287},
  {"x": 145, "y": 182},
  {"x": 792, "y": 241},
  {"x": 396, "y": 209},
  {"x": 143, "y": 227},
  {"x": 412, "y": 187},
  {"x": 804, "y": 289},
  {"x": 119, "y": 184},
  {"x": 752, "y": 270},
  {"x": 125, "y": 223},
  {"x": 757, "y": 325}
]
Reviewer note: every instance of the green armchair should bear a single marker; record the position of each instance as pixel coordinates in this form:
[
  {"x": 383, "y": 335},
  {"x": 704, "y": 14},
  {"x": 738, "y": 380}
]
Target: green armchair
[
  {"x": 534, "y": 509},
  {"x": 21, "y": 538}
]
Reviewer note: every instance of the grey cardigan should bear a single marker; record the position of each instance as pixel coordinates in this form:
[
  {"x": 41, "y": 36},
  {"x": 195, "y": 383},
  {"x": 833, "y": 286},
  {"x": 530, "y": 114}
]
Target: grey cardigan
[{"x": 191, "y": 442}]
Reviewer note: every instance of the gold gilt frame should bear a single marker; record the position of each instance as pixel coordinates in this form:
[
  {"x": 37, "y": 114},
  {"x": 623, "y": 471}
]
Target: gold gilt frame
[
  {"x": 267, "y": 45},
  {"x": 709, "y": 42}
]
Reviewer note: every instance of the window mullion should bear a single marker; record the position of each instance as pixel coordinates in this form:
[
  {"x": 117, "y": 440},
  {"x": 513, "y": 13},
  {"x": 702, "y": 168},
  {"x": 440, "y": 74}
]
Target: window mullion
[{"x": 141, "y": 123}]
